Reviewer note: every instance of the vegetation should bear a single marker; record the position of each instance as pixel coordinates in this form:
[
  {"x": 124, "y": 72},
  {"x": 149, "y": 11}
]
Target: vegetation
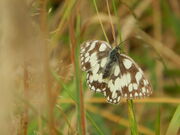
[{"x": 43, "y": 90}]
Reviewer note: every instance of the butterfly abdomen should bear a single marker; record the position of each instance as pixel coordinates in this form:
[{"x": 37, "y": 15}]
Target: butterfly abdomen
[{"x": 107, "y": 70}]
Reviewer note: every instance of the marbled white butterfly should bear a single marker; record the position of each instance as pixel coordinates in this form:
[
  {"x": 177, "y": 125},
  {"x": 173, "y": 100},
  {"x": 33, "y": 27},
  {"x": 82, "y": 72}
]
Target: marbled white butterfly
[{"x": 112, "y": 73}]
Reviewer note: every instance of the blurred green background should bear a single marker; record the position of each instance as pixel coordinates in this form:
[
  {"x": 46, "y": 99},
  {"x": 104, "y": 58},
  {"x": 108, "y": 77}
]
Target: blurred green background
[{"x": 151, "y": 29}]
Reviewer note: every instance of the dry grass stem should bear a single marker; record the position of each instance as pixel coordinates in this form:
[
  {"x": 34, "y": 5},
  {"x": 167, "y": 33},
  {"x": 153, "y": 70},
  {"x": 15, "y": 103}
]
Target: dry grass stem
[{"x": 147, "y": 100}]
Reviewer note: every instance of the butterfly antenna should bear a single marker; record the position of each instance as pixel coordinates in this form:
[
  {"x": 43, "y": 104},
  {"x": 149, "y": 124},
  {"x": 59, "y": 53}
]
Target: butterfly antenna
[{"x": 123, "y": 42}]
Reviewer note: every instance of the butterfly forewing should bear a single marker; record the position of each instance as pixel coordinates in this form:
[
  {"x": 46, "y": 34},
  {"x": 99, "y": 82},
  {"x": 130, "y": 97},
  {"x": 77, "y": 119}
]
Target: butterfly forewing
[{"x": 92, "y": 52}]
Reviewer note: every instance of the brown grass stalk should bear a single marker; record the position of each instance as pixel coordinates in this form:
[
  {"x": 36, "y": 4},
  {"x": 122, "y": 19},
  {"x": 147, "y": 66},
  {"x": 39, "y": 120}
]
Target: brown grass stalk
[
  {"x": 48, "y": 80},
  {"x": 26, "y": 89},
  {"x": 80, "y": 95},
  {"x": 162, "y": 100}
]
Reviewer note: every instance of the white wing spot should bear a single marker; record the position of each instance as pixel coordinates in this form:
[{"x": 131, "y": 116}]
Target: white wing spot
[
  {"x": 83, "y": 50},
  {"x": 103, "y": 62},
  {"x": 104, "y": 93},
  {"x": 87, "y": 44},
  {"x": 136, "y": 94},
  {"x": 102, "y": 47},
  {"x": 138, "y": 77},
  {"x": 98, "y": 90},
  {"x": 92, "y": 46},
  {"x": 145, "y": 82},
  {"x": 91, "y": 78},
  {"x": 143, "y": 90},
  {"x": 82, "y": 58},
  {"x": 127, "y": 63},
  {"x": 87, "y": 59},
  {"x": 95, "y": 77},
  {"x": 135, "y": 86},
  {"x": 103, "y": 89},
  {"x": 147, "y": 91},
  {"x": 111, "y": 86},
  {"x": 116, "y": 71},
  {"x": 117, "y": 83},
  {"x": 130, "y": 87},
  {"x": 114, "y": 94},
  {"x": 123, "y": 81},
  {"x": 87, "y": 54},
  {"x": 96, "y": 69},
  {"x": 128, "y": 77},
  {"x": 118, "y": 99},
  {"x": 93, "y": 59},
  {"x": 93, "y": 88},
  {"x": 100, "y": 77}
]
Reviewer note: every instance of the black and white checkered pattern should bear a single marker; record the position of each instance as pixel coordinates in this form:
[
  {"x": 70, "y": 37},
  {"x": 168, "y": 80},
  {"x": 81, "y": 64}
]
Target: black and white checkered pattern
[{"x": 112, "y": 73}]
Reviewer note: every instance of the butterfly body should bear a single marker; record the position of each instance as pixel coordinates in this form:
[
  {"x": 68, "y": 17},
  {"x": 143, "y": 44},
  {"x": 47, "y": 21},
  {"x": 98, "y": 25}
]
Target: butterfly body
[
  {"x": 113, "y": 59},
  {"x": 112, "y": 73}
]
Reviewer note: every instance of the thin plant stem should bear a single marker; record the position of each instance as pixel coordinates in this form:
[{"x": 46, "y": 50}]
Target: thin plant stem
[
  {"x": 132, "y": 118},
  {"x": 118, "y": 26},
  {"x": 26, "y": 91},
  {"x": 100, "y": 21},
  {"x": 79, "y": 96},
  {"x": 110, "y": 18}
]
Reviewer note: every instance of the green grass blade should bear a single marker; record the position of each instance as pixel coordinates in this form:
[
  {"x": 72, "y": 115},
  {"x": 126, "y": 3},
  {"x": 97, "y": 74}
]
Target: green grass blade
[
  {"x": 132, "y": 119},
  {"x": 118, "y": 25},
  {"x": 94, "y": 124},
  {"x": 158, "y": 121},
  {"x": 94, "y": 1},
  {"x": 175, "y": 123},
  {"x": 60, "y": 81}
]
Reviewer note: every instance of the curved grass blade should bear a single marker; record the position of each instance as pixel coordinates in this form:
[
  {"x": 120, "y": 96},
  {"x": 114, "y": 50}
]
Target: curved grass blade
[{"x": 174, "y": 125}]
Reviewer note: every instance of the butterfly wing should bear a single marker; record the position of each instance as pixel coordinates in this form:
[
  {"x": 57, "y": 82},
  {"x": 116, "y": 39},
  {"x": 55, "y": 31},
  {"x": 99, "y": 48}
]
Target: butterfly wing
[
  {"x": 127, "y": 81},
  {"x": 94, "y": 55},
  {"x": 139, "y": 86}
]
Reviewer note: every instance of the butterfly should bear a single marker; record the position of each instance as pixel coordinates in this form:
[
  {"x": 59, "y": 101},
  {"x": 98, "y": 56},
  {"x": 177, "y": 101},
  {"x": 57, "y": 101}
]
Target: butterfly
[{"x": 112, "y": 73}]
